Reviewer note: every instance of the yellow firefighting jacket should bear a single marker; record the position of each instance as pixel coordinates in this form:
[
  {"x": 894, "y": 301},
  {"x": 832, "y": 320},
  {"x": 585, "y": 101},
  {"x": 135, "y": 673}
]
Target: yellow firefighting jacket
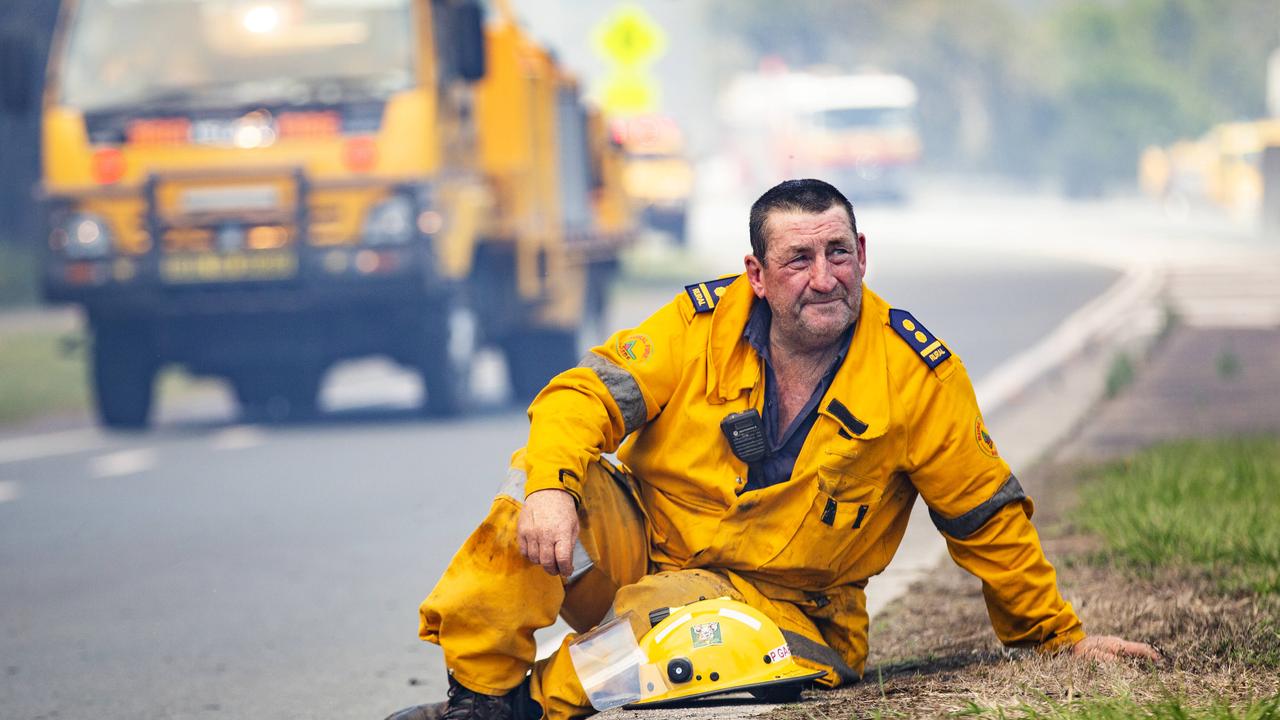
[{"x": 899, "y": 419}]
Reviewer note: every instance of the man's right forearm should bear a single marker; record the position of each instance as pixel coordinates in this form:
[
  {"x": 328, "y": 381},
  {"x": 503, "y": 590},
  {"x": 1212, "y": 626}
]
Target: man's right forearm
[{"x": 570, "y": 425}]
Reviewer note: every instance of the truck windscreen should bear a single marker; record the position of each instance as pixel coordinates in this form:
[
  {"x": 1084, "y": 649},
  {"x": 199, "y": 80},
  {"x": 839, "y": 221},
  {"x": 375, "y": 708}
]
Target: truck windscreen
[
  {"x": 180, "y": 54},
  {"x": 852, "y": 118}
]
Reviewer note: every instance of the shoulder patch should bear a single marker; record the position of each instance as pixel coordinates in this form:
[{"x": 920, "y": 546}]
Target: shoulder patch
[
  {"x": 706, "y": 295},
  {"x": 929, "y": 348}
]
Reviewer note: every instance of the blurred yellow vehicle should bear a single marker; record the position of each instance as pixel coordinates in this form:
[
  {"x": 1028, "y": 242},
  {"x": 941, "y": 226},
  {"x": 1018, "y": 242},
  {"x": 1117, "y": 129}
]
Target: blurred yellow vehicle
[
  {"x": 257, "y": 189},
  {"x": 1223, "y": 167},
  {"x": 657, "y": 174}
]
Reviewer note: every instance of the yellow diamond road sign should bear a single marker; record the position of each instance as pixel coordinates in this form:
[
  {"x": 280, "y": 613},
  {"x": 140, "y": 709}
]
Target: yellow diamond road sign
[
  {"x": 630, "y": 37},
  {"x": 630, "y": 92}
]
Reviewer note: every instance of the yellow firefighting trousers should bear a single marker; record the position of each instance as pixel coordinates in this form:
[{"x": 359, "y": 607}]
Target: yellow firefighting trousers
[{"x": 485, "y": 608}]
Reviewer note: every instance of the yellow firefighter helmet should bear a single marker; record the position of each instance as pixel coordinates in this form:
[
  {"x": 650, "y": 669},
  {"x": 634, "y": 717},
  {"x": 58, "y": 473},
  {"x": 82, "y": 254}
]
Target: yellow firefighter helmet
[{"x": 719, "y": 646}]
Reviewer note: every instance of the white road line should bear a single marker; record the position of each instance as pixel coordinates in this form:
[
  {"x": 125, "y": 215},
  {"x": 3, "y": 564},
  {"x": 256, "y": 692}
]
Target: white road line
[
  {"x": 9, "y": 490},
  {"x": 35, "y": 447},
  {"x": 125, "y": 462},
  {"x": 238, "y": 437}
]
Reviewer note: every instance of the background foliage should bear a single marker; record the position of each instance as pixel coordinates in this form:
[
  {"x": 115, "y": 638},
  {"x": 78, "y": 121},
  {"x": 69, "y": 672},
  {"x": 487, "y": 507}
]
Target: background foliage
[{"x": 1070, "y": 90}]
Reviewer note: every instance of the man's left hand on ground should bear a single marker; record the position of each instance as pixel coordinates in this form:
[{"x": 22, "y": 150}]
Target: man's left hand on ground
[{"x": 1107, "y": 647}]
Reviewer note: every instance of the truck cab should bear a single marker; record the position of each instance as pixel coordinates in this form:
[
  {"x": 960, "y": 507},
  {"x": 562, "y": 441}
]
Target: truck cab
[{"x": 258, "y": 189}]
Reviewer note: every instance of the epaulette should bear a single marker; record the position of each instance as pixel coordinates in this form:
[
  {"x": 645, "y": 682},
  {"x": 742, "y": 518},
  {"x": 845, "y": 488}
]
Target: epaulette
[
  {"x": 706, "y": 295},
  {"x": 929, "y": 348}
]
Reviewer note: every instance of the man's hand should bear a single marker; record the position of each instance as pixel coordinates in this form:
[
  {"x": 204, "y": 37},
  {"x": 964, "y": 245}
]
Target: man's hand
[
  {"x": 1106, "y": 647},
  {"x": 547, "y": 529}
]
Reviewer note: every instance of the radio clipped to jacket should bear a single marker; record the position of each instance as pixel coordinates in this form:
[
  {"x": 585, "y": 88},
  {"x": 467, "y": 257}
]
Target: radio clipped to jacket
[{"x": 745, "y": 433}]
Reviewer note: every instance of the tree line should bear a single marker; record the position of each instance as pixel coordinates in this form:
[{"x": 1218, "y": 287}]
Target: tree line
[{"x": 1064, "y": 90}]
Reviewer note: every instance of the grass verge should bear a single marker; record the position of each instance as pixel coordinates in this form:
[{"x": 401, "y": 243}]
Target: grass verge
[
  {"x": 1173, "y": 546},
  {"x": 18, "y": 275},
  {"x": 1171, "y": 708},
  {"x": 1209, "y": 507},
  {"x": 42, "y": 372},
  {"x": 38, "y": 376}
]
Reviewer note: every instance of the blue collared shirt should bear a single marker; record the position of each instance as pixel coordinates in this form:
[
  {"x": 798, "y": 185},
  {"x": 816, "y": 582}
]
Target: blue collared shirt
[{"x": 784, "y": 444}]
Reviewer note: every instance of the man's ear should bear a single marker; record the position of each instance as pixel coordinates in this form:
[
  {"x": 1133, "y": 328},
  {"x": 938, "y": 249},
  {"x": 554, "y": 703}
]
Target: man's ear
[
  {"x": 755, "y": 274},
  {"x": 862, "y": 251}
]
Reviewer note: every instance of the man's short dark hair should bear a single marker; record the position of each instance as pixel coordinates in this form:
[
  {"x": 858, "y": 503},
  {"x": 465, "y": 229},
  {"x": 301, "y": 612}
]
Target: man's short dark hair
[{"x": 807, "y": 195}]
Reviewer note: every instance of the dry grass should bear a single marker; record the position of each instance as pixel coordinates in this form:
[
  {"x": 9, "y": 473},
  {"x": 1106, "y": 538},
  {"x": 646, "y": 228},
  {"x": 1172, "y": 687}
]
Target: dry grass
[{"x": 933, "y": 653}]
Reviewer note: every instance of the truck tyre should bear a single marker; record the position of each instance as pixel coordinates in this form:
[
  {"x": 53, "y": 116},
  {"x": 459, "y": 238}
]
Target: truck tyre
[
  {"x": 278, "y": 394},
  {"x": 124, "y": 366},
  {"x": 447, "y": 352},
  {"x": 535, "y": 356}
]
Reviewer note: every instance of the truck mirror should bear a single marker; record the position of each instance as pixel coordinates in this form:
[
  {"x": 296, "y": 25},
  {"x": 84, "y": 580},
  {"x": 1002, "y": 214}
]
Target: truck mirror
[
  {"x": 17, "y": 73},
  {"x": 468, "y": 23}
]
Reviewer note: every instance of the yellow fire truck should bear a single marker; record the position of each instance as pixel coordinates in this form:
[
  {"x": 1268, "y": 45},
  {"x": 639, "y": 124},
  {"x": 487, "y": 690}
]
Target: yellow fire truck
[
  {"x": 257, "y": 189},
  {"x": 657, "y": 175},
  {"x": 1224, "y": 166}
]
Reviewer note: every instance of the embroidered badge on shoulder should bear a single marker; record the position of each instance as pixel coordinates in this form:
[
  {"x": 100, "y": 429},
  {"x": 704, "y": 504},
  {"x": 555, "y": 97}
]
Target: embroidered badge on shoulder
[
  {"x": 983, "y": 438},
  {"x": 706, "y": 295},
  {"x": 929, "y": 348},
  {"x": 635, "y": 347}
]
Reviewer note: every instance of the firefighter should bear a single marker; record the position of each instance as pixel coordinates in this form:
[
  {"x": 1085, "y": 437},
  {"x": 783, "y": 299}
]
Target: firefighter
[{"x": 779, "y": 426}]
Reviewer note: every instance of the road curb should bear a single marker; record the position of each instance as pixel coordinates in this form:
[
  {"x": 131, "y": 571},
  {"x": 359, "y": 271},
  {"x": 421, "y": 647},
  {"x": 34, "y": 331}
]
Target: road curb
[{"x": 1122, "y": 311}]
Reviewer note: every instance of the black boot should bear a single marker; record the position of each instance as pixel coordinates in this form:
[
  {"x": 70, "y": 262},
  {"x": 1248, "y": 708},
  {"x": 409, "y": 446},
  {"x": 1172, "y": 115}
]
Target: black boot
[{"x": 466, "y": 704}]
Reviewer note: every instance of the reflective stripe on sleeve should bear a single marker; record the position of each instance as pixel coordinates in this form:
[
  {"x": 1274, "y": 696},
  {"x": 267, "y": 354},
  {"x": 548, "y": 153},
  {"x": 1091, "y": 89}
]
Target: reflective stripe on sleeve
[
  {"x": 623, "y": 387},
  {"x": 513, "y": 486},
  {"x": 967, "y": 524}
]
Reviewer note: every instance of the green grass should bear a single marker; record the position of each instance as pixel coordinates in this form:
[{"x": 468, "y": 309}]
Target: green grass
[
  {"x": 1120, "y": 375},
  {"x": 18, "y": 275},
  {"x": 38, "y": 376},
  {"x": 1123, "y": 708},
  {"x": 1206, "y": 506},
  {"x": 43, "y": 372}
]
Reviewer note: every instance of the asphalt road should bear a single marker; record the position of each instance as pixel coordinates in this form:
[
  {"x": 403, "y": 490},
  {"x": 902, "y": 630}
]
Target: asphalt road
[{"x": 209, "y": 569}]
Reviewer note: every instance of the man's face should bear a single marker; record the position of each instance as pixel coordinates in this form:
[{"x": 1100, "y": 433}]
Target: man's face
[{"x": 811, "y": 277}]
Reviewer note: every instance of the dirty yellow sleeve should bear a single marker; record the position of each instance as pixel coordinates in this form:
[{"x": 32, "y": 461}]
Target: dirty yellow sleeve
[
  {"x": 617, "y": 387},
  {"x": 981, "y": 510}
]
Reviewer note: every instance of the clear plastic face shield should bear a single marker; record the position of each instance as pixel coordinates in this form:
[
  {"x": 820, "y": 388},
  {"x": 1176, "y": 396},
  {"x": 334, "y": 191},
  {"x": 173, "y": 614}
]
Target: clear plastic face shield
[{"x": 612, "y": 668}]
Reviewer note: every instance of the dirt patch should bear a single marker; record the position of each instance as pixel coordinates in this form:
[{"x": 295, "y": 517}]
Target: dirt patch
[{"x": 933, "y": 652}]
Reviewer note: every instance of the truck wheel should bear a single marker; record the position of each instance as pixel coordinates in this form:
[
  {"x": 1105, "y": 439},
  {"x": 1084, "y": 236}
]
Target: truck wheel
[
  {"x": 537, "y": 355},
  {"x": 278, "y": 395},
  {"x": 124, "y": 367},
  {"x": 445, "y": 359}
]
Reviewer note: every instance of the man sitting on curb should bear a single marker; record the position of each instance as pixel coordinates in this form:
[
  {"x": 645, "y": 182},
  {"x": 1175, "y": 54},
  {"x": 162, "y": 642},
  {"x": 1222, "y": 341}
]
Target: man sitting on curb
[{"x": 860, "y": 409}]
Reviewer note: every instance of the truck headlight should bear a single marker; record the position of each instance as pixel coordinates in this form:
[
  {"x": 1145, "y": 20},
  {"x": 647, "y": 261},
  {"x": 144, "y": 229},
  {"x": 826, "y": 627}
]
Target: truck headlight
[
  {"x": 390, "y": 222},
  {"x": 83, "y": 237}
]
